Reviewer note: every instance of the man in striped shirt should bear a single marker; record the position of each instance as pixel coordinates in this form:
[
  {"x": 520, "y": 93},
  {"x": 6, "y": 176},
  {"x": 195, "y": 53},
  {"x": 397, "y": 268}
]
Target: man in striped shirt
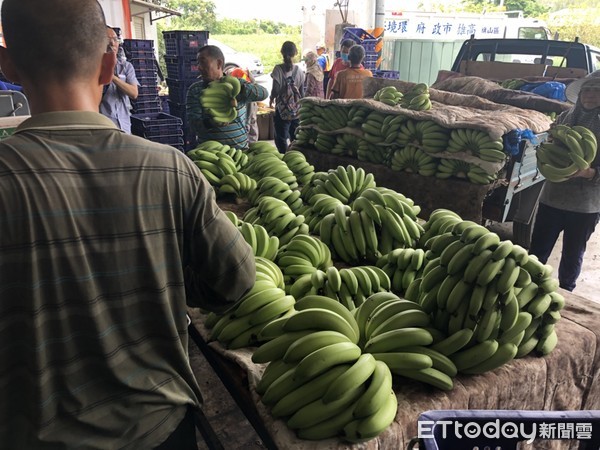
[
  {"x": 105, "y": 239},
  {"x": 234, "y": 134}
]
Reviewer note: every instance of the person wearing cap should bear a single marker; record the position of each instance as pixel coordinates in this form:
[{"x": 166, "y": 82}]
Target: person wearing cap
[
  {"x": 323, "y": 57},
  {"x": 348, "y": 83},
  {"x": 251, "y": 107},
  {"x": 340, "y": 63},
  {"x": 573, "y": 206}
]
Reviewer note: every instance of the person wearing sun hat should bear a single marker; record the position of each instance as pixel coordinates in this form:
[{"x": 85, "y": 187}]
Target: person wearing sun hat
[{"x": 573, "y": 206}]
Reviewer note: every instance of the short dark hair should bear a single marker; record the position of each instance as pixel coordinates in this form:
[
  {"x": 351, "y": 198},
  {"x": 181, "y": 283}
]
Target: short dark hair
[
  {"x": 213, "y": 51},
  {"x": 348, "y": 43},
  {"x": 52, "y": 39},
  {"x": 356, "y": 54}
]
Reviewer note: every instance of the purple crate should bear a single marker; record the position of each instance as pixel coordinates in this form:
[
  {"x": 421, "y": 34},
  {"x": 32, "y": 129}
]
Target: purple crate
[
  {"x": 178, "y": 89},
  {"x": 146, "y": 121},
  {"x": 389, "y": 74},
  {"x": 140, "y": 54},
  {"x": 150, "y": 89},
  {"x": 184, "y": 43},
  {"x": 181, "y": 68},
  {"x": 143, "y": 63}
]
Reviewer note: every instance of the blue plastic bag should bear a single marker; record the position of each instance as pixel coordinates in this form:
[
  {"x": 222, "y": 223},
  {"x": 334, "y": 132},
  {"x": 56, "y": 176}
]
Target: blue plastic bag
[
  {"x": 512, "y": 140},
  {"x": 549, "y": 89}
]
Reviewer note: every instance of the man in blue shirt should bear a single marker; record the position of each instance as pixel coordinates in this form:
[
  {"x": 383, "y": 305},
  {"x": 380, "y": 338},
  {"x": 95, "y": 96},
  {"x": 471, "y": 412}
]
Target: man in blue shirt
[{"x": 124, "y": 86}]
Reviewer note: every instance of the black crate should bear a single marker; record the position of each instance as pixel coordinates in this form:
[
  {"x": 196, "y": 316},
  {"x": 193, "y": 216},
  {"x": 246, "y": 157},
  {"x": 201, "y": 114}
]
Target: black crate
[
  {"x": 146, "y": 121},
  {"x": 150, "y": 89},
  {"x": 177, "y": 109},
  {"x": 184, "y": 43},
  {"x": 139, "y": 54},
  {"x": 178, "y": 89},
  {"x": 145, "y": 64},
  {"x": 146, "y": 98},
  {"x": 149, "y": 79},
  {"x": 390, "y": 74},
  {"x": 180, "y": 68},
  {"x": 138, "y": 44}
]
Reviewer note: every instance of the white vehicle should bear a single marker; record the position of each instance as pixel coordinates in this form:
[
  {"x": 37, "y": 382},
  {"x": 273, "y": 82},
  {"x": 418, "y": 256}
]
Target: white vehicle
[{"x": 234, "y": 59}]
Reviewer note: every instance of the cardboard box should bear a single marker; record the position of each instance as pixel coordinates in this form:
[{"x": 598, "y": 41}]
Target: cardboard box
[{"x": 266, "y": 131}]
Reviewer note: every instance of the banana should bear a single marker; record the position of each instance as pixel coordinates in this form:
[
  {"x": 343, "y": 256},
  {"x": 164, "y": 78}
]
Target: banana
[
  {"x": 539, "y": 305},
  {"x": 404, "y": 361},
  {"x": 371, "y": 426},
  {"x": 258, "y": 297},
  {"x": 307, "y": 392},
  {"x": 349, "y": 280},
  {"x": 272, "y": 372},
  {"x": 405, "y": 319},
  {"x": 320, "y": 319},
  {"x": 430, "y": 376},
  {"x": 397, "y": 340},
  {"x": 489, "y": 272},
  {"x": 546, "y": 345},
  {"x": 460, "y": 294},
  {"x": 305, "y": 345},
  {"x": 440, "y": 361},
  {"x": 475, "y": 355},
  {"x": 276, "y": 348},
  {"x": 453, "y": 343},
  {"x": 355, "y": 376},
  {"x": 505, "y": 353},
  {"x": 326, "y": 357},
  {"x": 272, "y": 310}
]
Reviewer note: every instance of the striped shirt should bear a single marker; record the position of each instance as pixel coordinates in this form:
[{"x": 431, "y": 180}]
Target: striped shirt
[
  {"x": 96, "y": 228},
  {"x": 234, "y": 134}
]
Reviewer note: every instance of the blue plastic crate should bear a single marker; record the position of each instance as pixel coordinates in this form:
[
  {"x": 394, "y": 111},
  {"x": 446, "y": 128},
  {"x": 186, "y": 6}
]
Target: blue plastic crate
[
  {"x": 357, "y": 34},
  {"x": 138, "y": 44},
  {"x": 370, "y": 44},
  {"x": 145, "y": 64},
  {"x": 149, "y": 89},
  {"x": 390, "y": 74},
  {"x": 140, "y": 54},
  {"x": 370, "y": 64},
  {"x": 178, "y": 89},
  {"x": 437, "y": 436},
  {"x": 146, "y": 77},
  {"x": 184, "y": 43},
  {"x": 181, "y": 68}
]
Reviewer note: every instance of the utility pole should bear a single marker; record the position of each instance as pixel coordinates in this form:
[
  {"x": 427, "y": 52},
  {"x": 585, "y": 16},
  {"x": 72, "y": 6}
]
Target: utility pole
[{"x": 379, "y": 13}]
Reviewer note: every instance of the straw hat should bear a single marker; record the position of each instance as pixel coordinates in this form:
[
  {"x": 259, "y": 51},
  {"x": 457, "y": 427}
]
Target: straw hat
[{"x": 573, "y": 89}]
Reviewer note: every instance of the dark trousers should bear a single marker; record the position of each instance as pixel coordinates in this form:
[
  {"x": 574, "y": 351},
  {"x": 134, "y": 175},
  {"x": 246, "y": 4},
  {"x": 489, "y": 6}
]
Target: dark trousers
[
  {"x": 577, "y": 229},
  {"x": 284, "y": 130},
  {"x": 184, "y": 436}
]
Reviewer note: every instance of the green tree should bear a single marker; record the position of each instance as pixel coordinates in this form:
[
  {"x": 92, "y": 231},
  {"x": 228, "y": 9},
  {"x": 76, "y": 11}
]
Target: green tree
[
  {"x": 195, "y": 14},
  {"x": 530, "y": 8}
]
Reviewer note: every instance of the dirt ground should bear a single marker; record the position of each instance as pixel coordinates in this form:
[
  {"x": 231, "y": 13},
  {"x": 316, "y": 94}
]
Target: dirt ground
[{"x": 588, "y": 284}]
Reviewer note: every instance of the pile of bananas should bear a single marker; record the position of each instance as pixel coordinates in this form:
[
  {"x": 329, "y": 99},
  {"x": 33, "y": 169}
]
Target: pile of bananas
[
  {"x": 417, "y": 98},
  {"x": 378, "y": 221},
  {"x": 265, "y": 302},
  {"x": 258, "y": 147},
  {"x": 513, "y": 83},
  {"x": 276, "y": 188},
  {"x": 327, "y": 143},
  {"x": 346, "y": 144},
  {"x": 239, "y": 157},
  {"x": 380, "y": 128},
  {"x": 498, "y": 301},
  {"x": 219, "y": 99},
  {"x": 277, "y": 217},
  {"x": 303, "y": 255},
  {"x": 268, "y": 164},
  {"x": 318, "y": 380},
  {"x": 214, "y": 166},
  {"x": 478, "y": 143},
  {"x": 374, "y": 153},
  {"x": 257, "y": 237},
  {"x": 426, "y": 134},
  {"x": 319, "y": 206},
  {"x": 388, "y": 95},
  {"x": 572, "y": 149},
  {"x": 351, "y": 286},
  {"x": 398, "y": 332},
  {"x": 414, "y": 160},
  {"x": 458, "y": 168},
  {"x": 296, "y": 161},
  {"x": 306, "y": 137},
  {"x": 403, "y": 266}
]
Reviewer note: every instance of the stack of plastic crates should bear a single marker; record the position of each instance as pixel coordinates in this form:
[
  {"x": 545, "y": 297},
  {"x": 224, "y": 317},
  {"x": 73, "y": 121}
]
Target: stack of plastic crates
[
  {"x": 389, "y": 74},
  {"x": 182, "y": 71},
  {"x": 140, "y": 53},
  {"x": 368, "y": 42},
  {"x": 159, "y": 127}
]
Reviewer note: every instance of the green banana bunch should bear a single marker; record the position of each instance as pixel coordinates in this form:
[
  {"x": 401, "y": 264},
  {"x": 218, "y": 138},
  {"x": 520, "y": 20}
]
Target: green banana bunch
[
  {"x": 388, "y": 95},
  {"x": 326, "y": 143},
  {"x": 219, "y": 99},
  {"x": 513, "y": 83},
  {"x": 238, "y": 184},
  {"x": 268, "y": 164},
  {"x": 346, "y": 145},
  {"x": 344, "y": 183},
  {"x": 258, "y": 147},
  {"x": 458, "y": 168},
  {"x": 277, "y": 217},
  {"x": 306, "y": 137},
  {"x": 296, "y": 161},
  {"x": 274, "y": 187},
  {"x": 403, "y": 266},
  {"x": 571, "y": 149},
  {"x": 257, "y": 237},
  {"x": 417, "y": 98},
  {"x": 213, "y": 165},
  {"x": 357, "y": 115},
  {"x": 239, "y": 157},
  {"x": 413, "y": 160},
  {"x": 303, "y": 255},
  {"x": 374, "y": 153},
  {"x": 330, "y": 117},
  {"x": 478, "y": 143}
]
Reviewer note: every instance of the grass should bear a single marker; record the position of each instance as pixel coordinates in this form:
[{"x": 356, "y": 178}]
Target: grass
[{"x": 265, "y": 46}]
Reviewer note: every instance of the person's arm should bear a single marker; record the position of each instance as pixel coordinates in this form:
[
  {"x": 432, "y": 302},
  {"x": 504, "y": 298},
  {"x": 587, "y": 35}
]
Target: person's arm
[
  {"x": 334, "y": 92},
  {"x": 128, "y": 85},
  {"x": 220, "y": 266},
  {"x": 252, "y": 92},
  {"x": 275, "y": 85}
]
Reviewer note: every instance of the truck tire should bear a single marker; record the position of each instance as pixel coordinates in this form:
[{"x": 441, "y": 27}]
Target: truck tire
[{"x": 522, "y": 231}]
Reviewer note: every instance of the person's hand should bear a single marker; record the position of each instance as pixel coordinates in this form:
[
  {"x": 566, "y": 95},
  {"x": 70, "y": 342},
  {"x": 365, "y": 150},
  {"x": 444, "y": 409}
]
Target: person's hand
[
  {"x": 250, "y": 76},
  {"x": 588, "y": 173}
]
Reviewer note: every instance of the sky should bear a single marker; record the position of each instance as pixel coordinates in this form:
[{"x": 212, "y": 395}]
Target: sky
[{"x": 287, "y": 11}]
